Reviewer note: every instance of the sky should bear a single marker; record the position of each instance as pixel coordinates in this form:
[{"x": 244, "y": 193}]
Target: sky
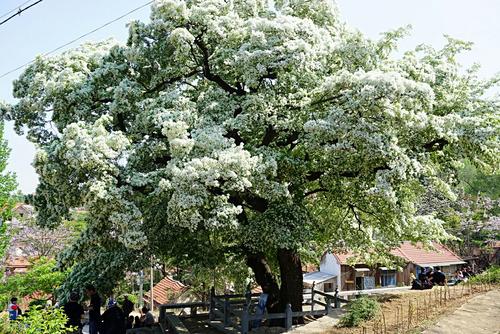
[{"x": 52, "y": 23}]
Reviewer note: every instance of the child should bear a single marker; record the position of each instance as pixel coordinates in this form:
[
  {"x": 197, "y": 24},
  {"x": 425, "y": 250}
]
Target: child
[{"x": 14, "y": 310}]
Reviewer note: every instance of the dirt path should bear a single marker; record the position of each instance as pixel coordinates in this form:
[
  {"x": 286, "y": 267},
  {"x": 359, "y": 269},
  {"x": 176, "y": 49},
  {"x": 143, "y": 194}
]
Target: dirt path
[{"x": 480, "y": 315}]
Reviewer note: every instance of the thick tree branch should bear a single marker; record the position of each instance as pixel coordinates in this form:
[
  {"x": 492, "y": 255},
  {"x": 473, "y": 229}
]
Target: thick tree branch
[
  {"x": 315, "y": 191},
  {"x": 207, "y": 72},
  {"x": 358, "y": 219},
  {"x": 436, "y": 145},
  {"x": 252, "y": 201},
  {"x": 269, "y": 135},
  {"x": 169, "y": 81},
  {"x": 233, "y": 133},
  {"x": 313, "y": 176}
]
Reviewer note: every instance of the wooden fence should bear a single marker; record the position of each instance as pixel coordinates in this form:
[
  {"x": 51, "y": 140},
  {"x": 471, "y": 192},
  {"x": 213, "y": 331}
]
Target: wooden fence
[
  {"x": 193, "y": 310},
  {"x": 423, "y": 306},
  {"x": 237, "y": 313}
]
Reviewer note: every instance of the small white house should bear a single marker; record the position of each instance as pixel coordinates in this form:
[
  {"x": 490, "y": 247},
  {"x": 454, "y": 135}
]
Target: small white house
[{"x": 327, "y": 279}]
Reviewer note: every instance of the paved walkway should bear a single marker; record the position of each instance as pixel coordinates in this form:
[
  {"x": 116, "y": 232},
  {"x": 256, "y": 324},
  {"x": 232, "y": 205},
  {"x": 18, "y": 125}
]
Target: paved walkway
[
  {"x": 480, "y": 315},
  {"x": 319, "y": 326}
]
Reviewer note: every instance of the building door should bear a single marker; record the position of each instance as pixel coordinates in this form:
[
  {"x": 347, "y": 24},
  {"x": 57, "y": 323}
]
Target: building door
[{"x": 359, "y": 283}]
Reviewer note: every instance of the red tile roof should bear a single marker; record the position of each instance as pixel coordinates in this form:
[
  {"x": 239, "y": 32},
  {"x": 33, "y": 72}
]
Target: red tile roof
[
  {"x": 166, "y": 290},
  {"x": 309, "y": 268},
  {"x": 17, "y": 265},
  {"x": 440, "y": 255},
  {"x": 416, "y": 253}
]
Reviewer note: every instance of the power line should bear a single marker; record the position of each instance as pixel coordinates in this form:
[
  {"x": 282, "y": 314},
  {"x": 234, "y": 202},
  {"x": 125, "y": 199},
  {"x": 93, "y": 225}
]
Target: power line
[
  {"x": 14, "y": 9},
  {"x": 78, "y": 38},
  {"x": 19, "y": 12}
]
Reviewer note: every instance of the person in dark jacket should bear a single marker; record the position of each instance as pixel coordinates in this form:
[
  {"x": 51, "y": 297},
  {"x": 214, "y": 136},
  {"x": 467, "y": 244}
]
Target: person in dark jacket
[
  {"x": 127, "y": 306},
  {"x": 438, "y": 277},
  {"x": 113, "y": 320},
  {"x": 94, "y": 309},
  {"x": 74, "y": 311},
  {"x": 137, "y": 322}
]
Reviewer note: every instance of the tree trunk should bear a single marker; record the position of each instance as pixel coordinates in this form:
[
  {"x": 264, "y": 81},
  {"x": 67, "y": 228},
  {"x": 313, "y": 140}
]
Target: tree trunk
[
  {"x": 291, "y": 291},
  {"x": 265, "y": 278}
]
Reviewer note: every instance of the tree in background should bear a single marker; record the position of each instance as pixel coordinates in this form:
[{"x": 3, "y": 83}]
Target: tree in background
[
  {"x": 7, "y": 186},
  {"x": 33, "y": 241},
  {"x": 226, "y": 128},
  {"x": 473, "y": 216},
  {"x": 41, "y": 279}
]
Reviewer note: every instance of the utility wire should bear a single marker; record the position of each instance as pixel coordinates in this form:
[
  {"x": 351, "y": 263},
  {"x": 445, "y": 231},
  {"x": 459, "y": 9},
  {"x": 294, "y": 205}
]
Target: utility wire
[
  {"x": 14, "y": 9},
  {"x": 78, "y": 38},
  {"x": 19, "y": 12}
]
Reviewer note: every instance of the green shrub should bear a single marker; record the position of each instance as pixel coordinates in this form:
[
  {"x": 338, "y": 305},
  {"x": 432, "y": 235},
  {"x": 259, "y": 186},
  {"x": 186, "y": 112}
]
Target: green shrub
[
  {"x": 490, "y": 276},
  {"x": 36, "y": 320},
  {"x": 360, "y": 310},
  {"x": 133, "y": 298},
  {"x": 38, "y": 302}
]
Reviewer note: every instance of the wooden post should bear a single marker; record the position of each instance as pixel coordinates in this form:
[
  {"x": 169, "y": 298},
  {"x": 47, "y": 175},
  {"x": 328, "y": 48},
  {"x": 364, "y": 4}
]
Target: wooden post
[
  {"x": 161, "y": 318},
  {"x": 289, "y": 317},
  {"x": 401, "y": 313},
  {"x": 416, "y": 310},
  {"x": 312, "y": 296},
  {"x": 226, "y": 310},
  {"x": 409, "y": 314},
  {"x": 211, "y": 313},
  {"x": 397, "y": 319},
  {"x": 328, "y": 307},
  {"x": 244, "y": 320},
  {"x": 337, "y": 300},
  {"x": 385, "y": 325},
  {"x": 248, "y": 296}
]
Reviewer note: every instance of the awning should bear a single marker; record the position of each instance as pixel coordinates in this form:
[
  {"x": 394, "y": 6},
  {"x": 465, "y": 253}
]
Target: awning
[
  {"x": 386, "y": 269},
  {"x": 362, "y": 269},
  {"x": 440, "y": 264},
  {"x": 317, "y": 277}
]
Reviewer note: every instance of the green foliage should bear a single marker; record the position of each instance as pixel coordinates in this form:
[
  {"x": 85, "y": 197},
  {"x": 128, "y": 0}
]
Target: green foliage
[
  {"x": 490, "y": 276},
  {"x": 133, "y": 298},
  {"x": 7, "y": 186},
  {"x": 474, "y": 181},
  {"x": 361, "y": 309},
  {"x": 42, "y": 277},
  {"x": 36, "y": 320}
]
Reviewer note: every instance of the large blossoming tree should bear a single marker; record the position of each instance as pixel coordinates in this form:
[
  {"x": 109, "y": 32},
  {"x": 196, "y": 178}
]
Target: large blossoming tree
[
  {"x": 243, "y": 130},
  {"x": 7, "y": 186}
]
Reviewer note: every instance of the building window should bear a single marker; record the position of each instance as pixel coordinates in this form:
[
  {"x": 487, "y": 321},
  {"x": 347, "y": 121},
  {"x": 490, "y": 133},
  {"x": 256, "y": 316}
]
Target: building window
[
  {"x": 329, "y": 287},
  {"x": 388, "y": 278}
]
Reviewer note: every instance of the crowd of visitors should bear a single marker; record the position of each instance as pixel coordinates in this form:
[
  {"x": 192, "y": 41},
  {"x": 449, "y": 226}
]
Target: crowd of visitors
[
  {"x": 116, "y": 319},
  {"x": 434, "y": 276}
]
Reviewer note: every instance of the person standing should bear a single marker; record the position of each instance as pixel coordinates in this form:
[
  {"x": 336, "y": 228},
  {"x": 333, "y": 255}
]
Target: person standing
[
  {"x": 74, "y": 312},
  {"x": 147, "y": 319},
  {"x": 94, "y": 309},
  {"x": 113, "y": 319},
  {"x": 13, "y": 309},
  {"x": 127, "y": 306}
]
